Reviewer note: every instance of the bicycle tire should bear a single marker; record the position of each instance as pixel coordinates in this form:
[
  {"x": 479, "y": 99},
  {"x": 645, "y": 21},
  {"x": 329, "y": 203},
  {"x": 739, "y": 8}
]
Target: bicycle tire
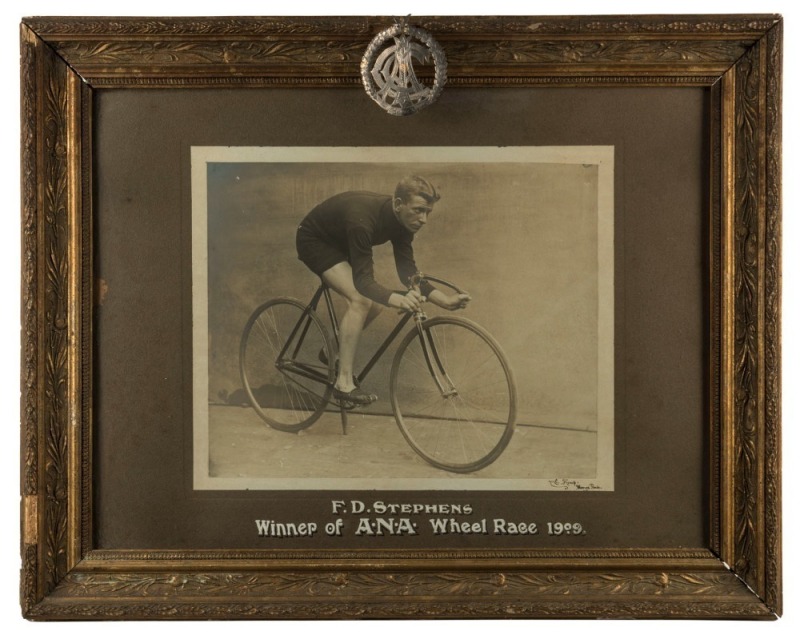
[
  {"x": 467, "y": 428},
  {"x": 280, "y": 394}
]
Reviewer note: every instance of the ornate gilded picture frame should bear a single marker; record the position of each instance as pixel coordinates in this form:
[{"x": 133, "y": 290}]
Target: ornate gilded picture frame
[{"x": 116, "y": 112}]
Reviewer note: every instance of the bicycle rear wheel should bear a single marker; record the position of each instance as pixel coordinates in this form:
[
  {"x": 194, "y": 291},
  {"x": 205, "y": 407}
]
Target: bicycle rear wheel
[
  {"x": 453, "y": 394},
  {"x": 287, "y": 384}
]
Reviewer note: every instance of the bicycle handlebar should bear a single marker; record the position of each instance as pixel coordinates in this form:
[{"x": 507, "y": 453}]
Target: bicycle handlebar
[{"x": 419, "y": 277}]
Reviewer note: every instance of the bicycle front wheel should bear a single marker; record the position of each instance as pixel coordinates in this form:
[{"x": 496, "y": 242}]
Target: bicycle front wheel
[
  {"x": 279, "y": 360},
  {"x": 453, "y": 394}
]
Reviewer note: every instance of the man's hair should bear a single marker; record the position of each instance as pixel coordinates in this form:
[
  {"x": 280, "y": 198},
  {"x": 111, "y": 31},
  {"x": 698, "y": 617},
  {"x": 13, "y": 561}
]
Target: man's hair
[{"x": 411, "y": 185}]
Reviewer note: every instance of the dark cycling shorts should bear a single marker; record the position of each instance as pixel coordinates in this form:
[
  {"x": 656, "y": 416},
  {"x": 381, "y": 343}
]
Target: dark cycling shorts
[{"x": 315, "y": 253}]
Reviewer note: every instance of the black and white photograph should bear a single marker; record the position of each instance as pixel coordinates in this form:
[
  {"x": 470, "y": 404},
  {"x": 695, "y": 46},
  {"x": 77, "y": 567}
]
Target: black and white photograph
[{"x": 403, "y": 318}]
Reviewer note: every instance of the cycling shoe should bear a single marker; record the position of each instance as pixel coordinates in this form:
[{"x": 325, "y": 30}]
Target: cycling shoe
[{"x": 356, "y": 396}]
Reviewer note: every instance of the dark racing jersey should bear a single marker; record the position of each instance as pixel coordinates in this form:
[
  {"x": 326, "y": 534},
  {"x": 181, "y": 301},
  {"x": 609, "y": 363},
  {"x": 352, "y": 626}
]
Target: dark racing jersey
[{"x": 354, "y": 222}]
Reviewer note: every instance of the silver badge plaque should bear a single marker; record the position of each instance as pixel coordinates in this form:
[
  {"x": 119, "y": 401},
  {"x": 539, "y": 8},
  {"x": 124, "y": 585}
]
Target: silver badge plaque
[{"x": 387, "y": 69}]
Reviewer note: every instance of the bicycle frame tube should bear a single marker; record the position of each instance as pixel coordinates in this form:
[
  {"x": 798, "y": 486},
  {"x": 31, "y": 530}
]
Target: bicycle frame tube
[
  {"x": 304, "y": 317},
  {"x": 303, "y": 370},
  {"x": 386, "y": 343},
  {"x": 331, "y": 313},
  {"x": 426, "y": 340},
  {"x": 302, "y": 335},
  {"x": 324, "y": 292}
]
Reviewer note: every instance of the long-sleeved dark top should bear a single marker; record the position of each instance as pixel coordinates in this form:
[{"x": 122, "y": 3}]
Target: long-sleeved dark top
[{"x": 355, "y": 222}]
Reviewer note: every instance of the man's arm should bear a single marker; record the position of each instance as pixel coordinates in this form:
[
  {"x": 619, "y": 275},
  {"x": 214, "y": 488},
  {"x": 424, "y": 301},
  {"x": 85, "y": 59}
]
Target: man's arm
[
  {"x": 407, "y": 268},
  {"x": 363, "y": 266},
  {"x": 449, "y": 301},
  {"x": 361, "y": 261}
]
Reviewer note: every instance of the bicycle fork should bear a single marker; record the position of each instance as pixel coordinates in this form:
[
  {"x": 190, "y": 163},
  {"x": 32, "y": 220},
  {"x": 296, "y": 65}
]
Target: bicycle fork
[{"x": 434, "y": 362}]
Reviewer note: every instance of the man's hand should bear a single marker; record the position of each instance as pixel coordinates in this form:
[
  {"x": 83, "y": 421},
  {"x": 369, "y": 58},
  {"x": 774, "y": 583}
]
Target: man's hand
[
  {"x": 451, "y": 302},
  {"x": 411, "y": 301},
  {"x": 457, "y": 301}
]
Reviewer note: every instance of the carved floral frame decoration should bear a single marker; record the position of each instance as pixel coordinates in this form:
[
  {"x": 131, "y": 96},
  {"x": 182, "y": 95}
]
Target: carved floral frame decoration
[{"x": 738, "y": 58}]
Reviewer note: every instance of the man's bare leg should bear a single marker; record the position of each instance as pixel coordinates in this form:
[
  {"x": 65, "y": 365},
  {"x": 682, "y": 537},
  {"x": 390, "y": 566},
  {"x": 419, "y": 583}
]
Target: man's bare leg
[{"x": 359, "y": 313}]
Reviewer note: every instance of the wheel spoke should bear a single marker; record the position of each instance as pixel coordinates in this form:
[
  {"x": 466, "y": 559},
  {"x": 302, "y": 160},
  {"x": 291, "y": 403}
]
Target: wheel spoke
[
  {"x": 467, "y": 427},
  {"x": 285, "y": 398}
]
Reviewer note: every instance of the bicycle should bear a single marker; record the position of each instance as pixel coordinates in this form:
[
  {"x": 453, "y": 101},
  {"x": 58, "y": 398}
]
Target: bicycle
[{"x": 451, "y": 387}]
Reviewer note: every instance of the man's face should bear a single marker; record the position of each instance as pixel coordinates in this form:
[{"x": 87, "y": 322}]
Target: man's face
[{"x": 412, "y": 214}]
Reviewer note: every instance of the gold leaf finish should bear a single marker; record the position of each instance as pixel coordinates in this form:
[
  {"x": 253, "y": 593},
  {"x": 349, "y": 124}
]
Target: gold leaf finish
[
  {"x": 54, "y": 275},
  {"x": 334, "y": 584},
  {"x": 772, "y": 312}
]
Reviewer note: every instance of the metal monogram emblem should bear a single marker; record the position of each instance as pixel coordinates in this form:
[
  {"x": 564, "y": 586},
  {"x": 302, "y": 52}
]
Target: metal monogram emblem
[{"x": 388, "y": 71}]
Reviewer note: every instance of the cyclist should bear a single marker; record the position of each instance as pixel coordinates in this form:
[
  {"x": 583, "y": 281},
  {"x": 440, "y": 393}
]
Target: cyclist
[{"x": 335, "y": 241}]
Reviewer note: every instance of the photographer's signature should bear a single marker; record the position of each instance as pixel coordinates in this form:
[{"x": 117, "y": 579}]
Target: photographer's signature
[{"x": 570, "y": 484}]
